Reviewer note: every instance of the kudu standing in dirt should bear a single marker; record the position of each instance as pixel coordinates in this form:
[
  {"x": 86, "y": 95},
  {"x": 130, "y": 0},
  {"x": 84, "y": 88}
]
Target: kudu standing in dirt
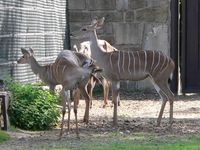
[
  {"x": 84, "y": 48},
  {"x": 132, "y": 65},
  {"x": 68, "y": 71}
]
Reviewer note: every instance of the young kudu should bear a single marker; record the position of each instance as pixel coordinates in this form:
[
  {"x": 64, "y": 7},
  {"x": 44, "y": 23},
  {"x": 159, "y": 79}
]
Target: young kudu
[
  {"x": 132, "y": 65},
  {"x": 84, "y": 48},
  {"x": 68, "y": 71}
]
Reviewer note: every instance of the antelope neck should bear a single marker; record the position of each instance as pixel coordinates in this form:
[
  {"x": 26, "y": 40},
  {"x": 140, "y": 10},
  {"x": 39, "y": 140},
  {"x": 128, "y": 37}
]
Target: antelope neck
[
  {"x": 35, "y": 66},
  {"x": 96, "y": 51}
]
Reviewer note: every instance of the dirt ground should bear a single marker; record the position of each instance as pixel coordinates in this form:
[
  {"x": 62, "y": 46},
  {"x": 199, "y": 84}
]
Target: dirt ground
[{"x": 137, "y": 113}]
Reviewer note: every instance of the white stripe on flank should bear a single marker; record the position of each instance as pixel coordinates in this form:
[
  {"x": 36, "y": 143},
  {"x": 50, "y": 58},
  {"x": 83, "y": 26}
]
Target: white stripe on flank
[
  {"x": 123, "y": 61},
  {"x": 63, "y": 70},
  {"x": 152, "y": 59},
  {"x": 47, "y": 71},
  {"x": 119, "y": 61},
  {"x": 145, "y": 60},
  {"x": 133, "y": 63},
  {"x": 57, "y": 70},
  {"x": 163, "y": 62},
  {"x": 111, "y": 61},
  {"x": 168, "y": 60},
  {"x": 50, "y": 71},
  {"x": 129, "y": 63},
  {"x": 55, "y": 73},
  {"x": 157, "y": 63},
  {"x": 139, "y": 63}
]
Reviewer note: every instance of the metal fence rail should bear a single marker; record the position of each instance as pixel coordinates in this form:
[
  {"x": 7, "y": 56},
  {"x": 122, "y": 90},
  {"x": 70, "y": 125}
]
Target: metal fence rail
[{"x": 39, "y": 24}]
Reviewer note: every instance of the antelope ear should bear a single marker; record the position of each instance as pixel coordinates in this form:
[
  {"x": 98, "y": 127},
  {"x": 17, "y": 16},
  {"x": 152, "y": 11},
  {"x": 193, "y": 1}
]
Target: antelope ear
[
  {"x": 24, "y": 51},
  {"x": 100, "y": 22},
  {"x": 31, "y": 50},
  {"x": 75, "y": 47},
  {"x": 105, "y": 46},
  {"x": 94, "y": 21}
]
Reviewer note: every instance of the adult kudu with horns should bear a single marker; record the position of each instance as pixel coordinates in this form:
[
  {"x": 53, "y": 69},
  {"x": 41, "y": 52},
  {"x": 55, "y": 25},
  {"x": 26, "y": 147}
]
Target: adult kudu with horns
[
  {"x": 132, "y": 65},
  {"x": 71, "y": 70}
]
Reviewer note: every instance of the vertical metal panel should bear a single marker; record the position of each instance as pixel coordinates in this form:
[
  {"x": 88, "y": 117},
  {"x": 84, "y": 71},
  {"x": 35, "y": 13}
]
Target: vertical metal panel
[
  {"x": 67, "y": 42},
  {"x": 39, "y": 24},
  {"x": 190, "y": 46},
  {"x": 174, "y": 43}
]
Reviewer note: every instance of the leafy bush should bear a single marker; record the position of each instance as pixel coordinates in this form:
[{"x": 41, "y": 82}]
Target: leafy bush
[{"x": 31, "y": 107}]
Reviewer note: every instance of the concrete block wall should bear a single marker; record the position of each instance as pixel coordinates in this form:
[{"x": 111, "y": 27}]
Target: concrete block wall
[{"x": 129, "y": 24}]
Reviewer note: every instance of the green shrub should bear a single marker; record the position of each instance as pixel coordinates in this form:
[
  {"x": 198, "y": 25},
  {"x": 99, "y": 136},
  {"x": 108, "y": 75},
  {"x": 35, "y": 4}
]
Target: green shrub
[
  {"x": 4, "y": 136},
  {"x": 31, "y": 107}
]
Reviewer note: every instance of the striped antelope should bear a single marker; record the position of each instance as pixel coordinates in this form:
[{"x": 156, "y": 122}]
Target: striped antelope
[
  {"x": 132, "y": 65},
  {"x": 67, "y": 71},
  {"x": 84, "y": 48}
]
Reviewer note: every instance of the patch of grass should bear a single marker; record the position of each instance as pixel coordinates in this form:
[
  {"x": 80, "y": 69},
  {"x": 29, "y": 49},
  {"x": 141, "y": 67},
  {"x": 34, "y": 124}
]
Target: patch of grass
[
  {"x": 138, "y": 141},
  {"x": 131, "y": 146},
  {"x": 4, "y": 136},
  {"x": 58, "y": 149},
  {"x": 118, "y": 141}
]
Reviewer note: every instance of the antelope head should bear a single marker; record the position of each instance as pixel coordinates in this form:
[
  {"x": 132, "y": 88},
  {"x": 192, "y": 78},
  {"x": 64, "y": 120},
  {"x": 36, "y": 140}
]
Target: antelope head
[
  {"x": 84, "y": 31},
  {"x": 95, "y": 24},
  {"x": 27, "y": 54}
]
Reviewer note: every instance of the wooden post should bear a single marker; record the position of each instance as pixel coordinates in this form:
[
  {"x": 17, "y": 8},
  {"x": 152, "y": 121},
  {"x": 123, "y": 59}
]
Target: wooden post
[{"x": 4, "y": 107}]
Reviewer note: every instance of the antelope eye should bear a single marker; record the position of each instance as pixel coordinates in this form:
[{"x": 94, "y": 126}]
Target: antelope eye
[{"x": 84, "y": 29}]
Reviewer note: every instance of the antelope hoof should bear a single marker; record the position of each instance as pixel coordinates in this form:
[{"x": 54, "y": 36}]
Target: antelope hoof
[
  {"x": 170, "y": 124},
  {"x": 60, "y": 136},
  {"x": 119, "y": 103},
  {"x": 67, "y": 132},
  {"x": 104, "y": 105},
  {"x": 86, "y": 120},
  {"x": 78, "y": 137},
  {"x": 158, "y": 124},
  {"x": 115, "y": 124}
]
